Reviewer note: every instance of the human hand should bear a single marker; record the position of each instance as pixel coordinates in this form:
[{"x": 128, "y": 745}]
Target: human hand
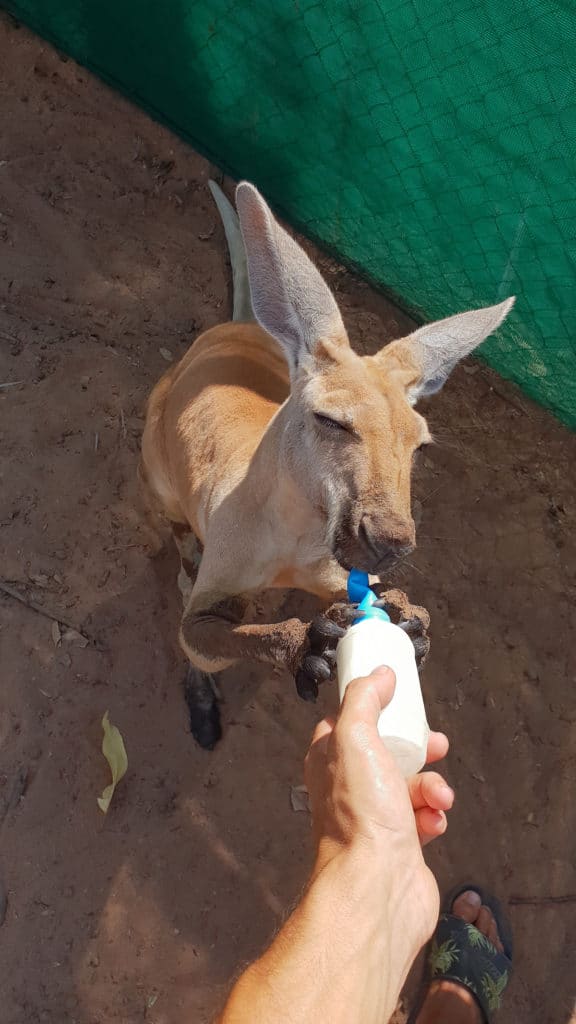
[
  {"x": 356, "y": 791},
  {"x": 371, "y": 903}
]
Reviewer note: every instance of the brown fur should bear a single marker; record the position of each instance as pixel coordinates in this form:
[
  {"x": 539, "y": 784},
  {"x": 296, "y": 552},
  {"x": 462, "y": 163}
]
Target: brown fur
[
  {"x": 210, "y": 461},
  {"x": 287, "y": 455}
]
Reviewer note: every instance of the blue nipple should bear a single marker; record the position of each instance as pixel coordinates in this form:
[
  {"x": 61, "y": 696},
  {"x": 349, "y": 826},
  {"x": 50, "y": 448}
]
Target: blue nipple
[{"x": 359, "y": 593}]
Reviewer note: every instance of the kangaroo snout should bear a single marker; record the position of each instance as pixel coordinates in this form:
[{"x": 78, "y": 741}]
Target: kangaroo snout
[{"x": 375, "y": 543}]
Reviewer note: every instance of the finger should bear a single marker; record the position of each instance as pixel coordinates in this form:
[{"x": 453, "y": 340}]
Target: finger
[
  {"x": 430, "y": 824},
  {"x": 323, "y": 730},
  {"x": 437, "y": 747},
  {"x": 366, "y": 697},
  {"x": 428, "y": 789},
  {"x": 318, "y": 744},
  {"x": 315, "y": 773}
]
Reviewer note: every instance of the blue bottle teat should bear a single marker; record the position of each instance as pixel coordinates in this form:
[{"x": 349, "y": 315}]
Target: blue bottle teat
[{"x": 359, "y": 592}]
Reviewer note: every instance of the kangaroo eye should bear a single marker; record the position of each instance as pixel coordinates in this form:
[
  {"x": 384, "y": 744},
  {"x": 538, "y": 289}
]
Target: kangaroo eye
[{"x": 328, "y": 423}]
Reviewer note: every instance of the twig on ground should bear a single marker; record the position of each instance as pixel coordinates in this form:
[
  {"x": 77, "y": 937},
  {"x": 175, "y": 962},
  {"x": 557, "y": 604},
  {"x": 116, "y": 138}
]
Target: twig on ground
[
  {"x": 48, "y": 613},
  {"x": 537, "y": 901}
]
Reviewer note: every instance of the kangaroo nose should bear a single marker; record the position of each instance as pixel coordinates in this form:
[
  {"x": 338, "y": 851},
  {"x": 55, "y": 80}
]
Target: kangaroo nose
[{"x": 397, "y": 536}]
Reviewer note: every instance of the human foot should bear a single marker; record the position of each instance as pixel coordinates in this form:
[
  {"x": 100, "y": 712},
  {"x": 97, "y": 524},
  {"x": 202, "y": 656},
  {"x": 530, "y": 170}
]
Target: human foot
[{"x": 459, "y": 1002}]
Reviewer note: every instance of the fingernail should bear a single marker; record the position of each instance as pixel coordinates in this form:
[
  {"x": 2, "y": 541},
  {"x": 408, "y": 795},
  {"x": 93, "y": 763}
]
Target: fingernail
[
  {"x": 381, "y": 670},
  {"x": 442, "y": 822},
  {"x": 447, "y": 790}
]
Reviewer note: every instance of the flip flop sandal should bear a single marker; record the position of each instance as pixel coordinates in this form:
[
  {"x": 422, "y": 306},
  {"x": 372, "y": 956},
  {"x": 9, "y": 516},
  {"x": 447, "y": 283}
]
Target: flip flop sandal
[{"x": 459, "y": 952}]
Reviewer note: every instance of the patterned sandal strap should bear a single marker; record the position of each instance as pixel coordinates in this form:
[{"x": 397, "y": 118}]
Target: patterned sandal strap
[{"x": 460, "y": 952}]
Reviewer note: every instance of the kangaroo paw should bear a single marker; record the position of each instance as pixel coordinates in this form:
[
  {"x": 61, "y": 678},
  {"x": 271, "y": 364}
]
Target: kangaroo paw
[{"x": 319, "y": 660}]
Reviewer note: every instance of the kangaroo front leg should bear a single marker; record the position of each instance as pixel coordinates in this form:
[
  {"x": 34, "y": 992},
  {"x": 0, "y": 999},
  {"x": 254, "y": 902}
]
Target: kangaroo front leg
[{"x": 216, "y": 636}]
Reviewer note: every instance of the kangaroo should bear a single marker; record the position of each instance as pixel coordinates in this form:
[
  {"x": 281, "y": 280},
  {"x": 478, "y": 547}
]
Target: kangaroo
[{"x": 282, "y": 458}]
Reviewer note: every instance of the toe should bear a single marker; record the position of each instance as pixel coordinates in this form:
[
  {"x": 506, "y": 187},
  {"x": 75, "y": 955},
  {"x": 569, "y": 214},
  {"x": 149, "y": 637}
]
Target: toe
[
  {"x": 493, "y": 934},
  {"x": 486, "y": 924},
  {"x": 467, "y": 906}
]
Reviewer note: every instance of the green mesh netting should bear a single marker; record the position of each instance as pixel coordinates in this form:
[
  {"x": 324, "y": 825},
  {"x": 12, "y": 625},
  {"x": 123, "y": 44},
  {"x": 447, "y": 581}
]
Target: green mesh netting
[{"x": 432, "y": 145}]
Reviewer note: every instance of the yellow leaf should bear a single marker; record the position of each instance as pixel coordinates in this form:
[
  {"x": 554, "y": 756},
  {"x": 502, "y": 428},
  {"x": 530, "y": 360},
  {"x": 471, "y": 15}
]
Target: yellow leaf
[{"x": 115, "y": 753}]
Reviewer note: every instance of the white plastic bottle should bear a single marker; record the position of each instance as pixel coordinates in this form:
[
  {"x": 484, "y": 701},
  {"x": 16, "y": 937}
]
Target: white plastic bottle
[{"x": 372, "y": 641}]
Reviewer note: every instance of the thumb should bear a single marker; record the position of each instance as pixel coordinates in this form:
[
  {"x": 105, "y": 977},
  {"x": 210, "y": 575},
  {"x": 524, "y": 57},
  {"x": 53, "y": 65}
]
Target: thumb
[{"x": 366, "y": 697}]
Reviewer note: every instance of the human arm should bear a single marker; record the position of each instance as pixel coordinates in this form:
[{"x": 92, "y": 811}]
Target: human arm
[{"x": 344, "y": 953}]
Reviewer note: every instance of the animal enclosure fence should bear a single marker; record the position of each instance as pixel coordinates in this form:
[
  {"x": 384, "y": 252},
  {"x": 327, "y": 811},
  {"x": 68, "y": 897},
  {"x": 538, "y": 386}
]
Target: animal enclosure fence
[{"x": 429, "y": 145}]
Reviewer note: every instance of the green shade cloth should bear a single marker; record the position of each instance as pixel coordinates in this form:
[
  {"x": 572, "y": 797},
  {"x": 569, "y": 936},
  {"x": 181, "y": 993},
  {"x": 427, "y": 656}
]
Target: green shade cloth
[{"x": 429, "y": 145}]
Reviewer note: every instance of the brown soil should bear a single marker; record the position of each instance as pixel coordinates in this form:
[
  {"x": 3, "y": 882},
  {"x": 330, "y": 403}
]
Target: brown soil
[{"x": 110, "y": 254}]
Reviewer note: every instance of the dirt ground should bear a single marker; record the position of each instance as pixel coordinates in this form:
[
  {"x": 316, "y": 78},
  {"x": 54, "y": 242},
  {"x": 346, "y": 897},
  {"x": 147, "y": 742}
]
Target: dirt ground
[{"x": 111, "y": 260}]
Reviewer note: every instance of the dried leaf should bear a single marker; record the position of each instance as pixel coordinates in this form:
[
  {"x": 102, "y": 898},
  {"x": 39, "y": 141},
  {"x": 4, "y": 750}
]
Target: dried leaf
[
  {"x": 166, "y": 354},
  {"x": 72, "y": 636},
  {"x": 115, "y": 753},
  {"x": 299, "y": 798},
  {"x": 56, "y": 634}
]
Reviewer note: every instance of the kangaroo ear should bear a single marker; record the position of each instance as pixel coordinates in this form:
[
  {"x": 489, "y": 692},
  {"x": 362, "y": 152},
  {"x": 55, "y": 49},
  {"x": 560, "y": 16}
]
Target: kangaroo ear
[
  {"x": 433, "y": 351},
  {"x": 290, "y": 298}
]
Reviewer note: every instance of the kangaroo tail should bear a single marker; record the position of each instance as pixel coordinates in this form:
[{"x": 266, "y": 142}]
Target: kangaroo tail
[{"x": 242, "y": 309}]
